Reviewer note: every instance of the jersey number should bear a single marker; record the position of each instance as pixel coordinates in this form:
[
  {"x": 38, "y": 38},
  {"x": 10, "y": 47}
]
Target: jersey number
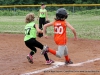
[
  {"x": 59, "y": 30},
  {"x": 27, "y": 31}
]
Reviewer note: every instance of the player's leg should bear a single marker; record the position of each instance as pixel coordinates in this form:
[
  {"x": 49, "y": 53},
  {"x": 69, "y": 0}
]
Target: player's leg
[
  {"x": 44, "y": 22},
  {"x": 40, "y": 26},
  {"x": 59, "y": 53},
  {"x": 39, "y": 45},
  {"x": 62, "y": 50},
  {"x": 67, "y": 59},
  {"x": 40, "y": 23},
  {"x": 30, "y": 56},
  {"x": 33, "y": 50}
]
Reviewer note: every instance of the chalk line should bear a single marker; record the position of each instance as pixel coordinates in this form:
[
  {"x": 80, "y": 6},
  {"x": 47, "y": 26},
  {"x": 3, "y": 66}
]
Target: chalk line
[{"x": 58, "y": 64}]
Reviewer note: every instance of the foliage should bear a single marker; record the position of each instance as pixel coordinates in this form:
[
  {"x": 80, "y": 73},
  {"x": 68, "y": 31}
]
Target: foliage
[{"x": 15, "y": 2}]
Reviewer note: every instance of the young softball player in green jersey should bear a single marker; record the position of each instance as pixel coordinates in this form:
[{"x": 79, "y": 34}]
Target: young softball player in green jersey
[
  {"x": 31, "y": 29},
  {"x": 42, "y": 15}
]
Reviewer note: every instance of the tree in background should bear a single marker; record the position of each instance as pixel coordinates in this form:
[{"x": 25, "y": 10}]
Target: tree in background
[{"x": 15, "y": 2}]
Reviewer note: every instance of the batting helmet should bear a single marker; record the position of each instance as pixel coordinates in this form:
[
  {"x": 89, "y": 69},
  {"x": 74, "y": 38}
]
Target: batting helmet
[{"x": 61, "y": 13}]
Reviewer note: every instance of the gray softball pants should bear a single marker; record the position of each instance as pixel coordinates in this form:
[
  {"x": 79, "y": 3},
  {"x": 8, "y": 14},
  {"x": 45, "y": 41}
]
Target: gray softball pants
[{"x": 62, "y": 51}]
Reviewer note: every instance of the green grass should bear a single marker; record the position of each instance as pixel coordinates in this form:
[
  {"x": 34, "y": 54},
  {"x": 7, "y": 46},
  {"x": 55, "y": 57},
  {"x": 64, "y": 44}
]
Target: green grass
[
  {"x": 12, "y": 24},
  {"x": 87, "y": 26}
]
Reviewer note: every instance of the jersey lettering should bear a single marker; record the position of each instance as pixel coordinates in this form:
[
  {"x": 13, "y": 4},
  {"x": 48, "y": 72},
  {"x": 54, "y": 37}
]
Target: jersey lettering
[
  {"x": 27, "y": 31},
  {"x": 59, "y": 30}
]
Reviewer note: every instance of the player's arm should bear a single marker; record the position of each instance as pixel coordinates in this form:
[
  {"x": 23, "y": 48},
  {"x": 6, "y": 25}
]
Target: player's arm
[
  {"x": 72, "y": 29},
  {"x": 37, "y": 28},
  {"x": 45, "y": 27}
]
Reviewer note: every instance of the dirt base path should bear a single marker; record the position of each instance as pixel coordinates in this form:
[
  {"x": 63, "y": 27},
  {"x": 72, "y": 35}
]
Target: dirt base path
[{"x": 13, "y": 56}]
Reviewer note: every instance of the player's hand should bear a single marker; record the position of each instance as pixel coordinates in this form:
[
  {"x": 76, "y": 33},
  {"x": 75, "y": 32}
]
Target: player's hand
[
  {"x": 75, "y": 38},
  {"x": 45, "y": 36},
  {"x": 40, "y": 31}
]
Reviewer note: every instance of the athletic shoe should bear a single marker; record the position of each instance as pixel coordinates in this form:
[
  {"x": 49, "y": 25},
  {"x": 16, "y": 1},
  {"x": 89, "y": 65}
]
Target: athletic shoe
[
  {"x": 49, "y": 62},
  {"x": 30, "y": 59},
  {"x": 44, "y": 50},
  {"x": 68, "y": 62}
]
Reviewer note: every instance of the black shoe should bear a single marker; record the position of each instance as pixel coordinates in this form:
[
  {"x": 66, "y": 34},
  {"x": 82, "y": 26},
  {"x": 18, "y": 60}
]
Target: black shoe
[{"x": 68, "y": 62}]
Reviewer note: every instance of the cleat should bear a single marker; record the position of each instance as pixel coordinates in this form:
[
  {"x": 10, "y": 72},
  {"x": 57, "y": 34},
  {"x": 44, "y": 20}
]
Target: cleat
[
  {"x": 68, "y": 62},
  {"x": 49, "y": 62},
  {"x": 30, "y": 59},
  {"x": 44, "y": 50}
]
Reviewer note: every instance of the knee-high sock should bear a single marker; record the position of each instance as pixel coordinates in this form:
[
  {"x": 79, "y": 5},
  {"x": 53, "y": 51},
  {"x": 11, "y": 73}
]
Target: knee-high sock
[
  {"x": 67, "y": 58},
  {"x": 52, "y": 51},
  {"x": 46, "y": 57}
]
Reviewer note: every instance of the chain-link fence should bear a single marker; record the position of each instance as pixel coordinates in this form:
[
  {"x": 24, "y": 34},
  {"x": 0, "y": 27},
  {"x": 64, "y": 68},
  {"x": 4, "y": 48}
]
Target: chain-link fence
[{"x": 12, "y": 18}]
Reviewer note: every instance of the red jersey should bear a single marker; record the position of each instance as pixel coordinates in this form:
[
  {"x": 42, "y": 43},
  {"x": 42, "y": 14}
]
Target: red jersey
[{"x": 60, "y": 37}]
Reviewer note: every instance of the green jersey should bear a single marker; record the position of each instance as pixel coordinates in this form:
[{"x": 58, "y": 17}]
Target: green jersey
[
  {"x": 42, "y": 13},
  {"x": 30, "y": 31}
]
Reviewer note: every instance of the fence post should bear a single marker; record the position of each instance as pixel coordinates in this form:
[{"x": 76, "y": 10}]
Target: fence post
[
  {"x": 14, "y": 10},
  {"x": 73, "y": 10}
]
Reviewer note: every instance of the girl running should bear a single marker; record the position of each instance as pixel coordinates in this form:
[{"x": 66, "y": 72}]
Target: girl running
[{"x": 60, "y": 35}]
